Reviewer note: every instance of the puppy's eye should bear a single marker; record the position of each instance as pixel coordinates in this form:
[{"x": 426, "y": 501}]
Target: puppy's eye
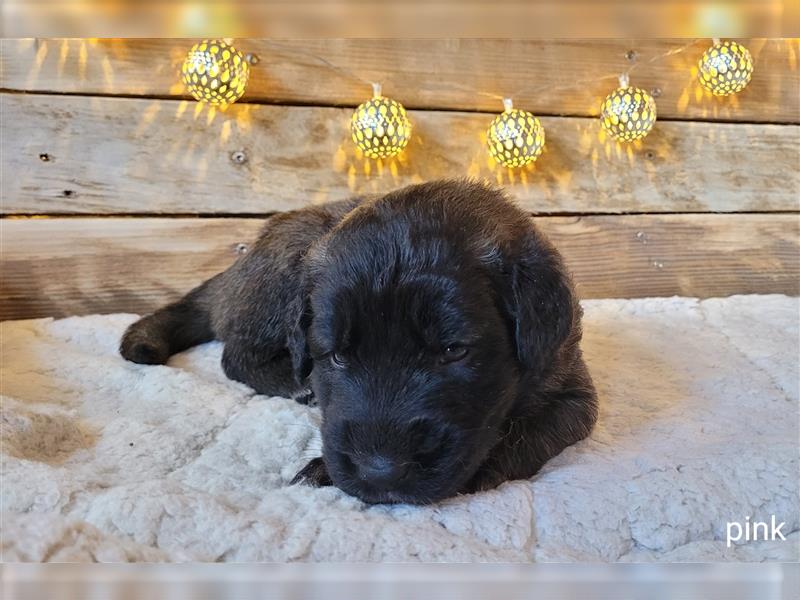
[
  {"x": 337, "y": 360},
  {"x": 453, "y": 353}
]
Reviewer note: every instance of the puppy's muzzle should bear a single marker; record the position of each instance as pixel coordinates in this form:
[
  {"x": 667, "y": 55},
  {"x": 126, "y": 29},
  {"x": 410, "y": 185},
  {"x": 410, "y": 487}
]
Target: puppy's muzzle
[
  {"x": 384, "y": 455},
  {"x": 380, "y": 472}
]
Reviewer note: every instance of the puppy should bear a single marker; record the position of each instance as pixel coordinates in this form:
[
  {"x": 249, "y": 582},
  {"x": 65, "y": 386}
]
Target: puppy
[{"x": 435, "y": 326}]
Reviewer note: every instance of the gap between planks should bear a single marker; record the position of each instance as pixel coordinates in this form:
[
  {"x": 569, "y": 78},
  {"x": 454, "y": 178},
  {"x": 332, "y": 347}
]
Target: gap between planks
[
  {"x": 211, "y": 215},
  {"x": 409, "y": 107}
]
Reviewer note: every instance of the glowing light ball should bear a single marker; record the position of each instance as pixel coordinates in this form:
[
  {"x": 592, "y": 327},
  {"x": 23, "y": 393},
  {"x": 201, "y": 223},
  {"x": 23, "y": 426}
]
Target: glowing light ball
[
  {"x": 215, "y": 72},
  {"x": 515, "y": 138},
  {"x": 725, "y": 68},
  {"x": 380, "y": 126},
  {"x": 628, "y": 113}
]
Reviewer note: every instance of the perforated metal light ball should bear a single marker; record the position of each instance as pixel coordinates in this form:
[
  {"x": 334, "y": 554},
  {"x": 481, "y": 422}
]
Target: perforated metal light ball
[
  {"x": 725, "y": 68},
  {"x": 215, "y": 72},
  {"x": 380, "y": 126},
  {"x": 628, "y": 113},
  {"x": 515, "y": 138}
]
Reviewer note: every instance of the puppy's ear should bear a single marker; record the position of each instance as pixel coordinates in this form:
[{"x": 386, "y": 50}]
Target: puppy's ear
[
  {"x": 542, "y": 303},
  {"x": 299, "y": 320}
]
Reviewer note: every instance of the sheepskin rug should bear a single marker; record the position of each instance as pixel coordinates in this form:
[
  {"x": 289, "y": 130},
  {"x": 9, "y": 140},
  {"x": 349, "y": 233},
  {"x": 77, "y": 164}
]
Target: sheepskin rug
[{"x": 105, "y": 460}]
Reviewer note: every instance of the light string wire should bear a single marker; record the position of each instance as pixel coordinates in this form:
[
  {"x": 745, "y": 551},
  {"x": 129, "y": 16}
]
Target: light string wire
[{"x": 621, "y": 76}]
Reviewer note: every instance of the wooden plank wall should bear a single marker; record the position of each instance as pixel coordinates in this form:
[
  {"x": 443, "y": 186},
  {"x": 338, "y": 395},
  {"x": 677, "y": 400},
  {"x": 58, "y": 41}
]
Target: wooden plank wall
[{"x": 107, "y": 163}]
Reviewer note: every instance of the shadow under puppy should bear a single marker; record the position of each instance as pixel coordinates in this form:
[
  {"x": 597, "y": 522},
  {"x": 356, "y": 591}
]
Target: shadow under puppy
[{"x": 435, "y": 326}]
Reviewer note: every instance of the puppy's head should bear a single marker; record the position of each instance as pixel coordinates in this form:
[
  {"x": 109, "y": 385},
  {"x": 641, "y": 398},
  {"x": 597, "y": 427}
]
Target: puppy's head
[{"x": 421, "y": 329}]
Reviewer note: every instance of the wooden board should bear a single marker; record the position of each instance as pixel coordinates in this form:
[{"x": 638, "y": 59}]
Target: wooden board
[
  {"x": 66, "y": 154},
  {"x": 64, "y": 266},
  {"x": 548, "y": 77}
]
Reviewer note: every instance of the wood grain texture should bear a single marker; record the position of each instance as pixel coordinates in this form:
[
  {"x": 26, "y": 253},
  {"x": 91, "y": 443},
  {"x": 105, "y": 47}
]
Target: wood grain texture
[
  {"x": 65, "y": 266},
  {"x": 66, "y": 154},
  {"x": 547, "y": 77}
]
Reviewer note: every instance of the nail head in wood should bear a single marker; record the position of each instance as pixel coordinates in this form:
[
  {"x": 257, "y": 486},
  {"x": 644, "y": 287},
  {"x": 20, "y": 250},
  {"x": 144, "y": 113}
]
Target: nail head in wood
[{"x": 238, "y": 157}]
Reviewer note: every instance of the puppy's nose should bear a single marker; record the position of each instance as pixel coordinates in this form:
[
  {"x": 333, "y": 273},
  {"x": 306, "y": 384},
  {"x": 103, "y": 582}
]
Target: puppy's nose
[{"x": 380, "y": 471}]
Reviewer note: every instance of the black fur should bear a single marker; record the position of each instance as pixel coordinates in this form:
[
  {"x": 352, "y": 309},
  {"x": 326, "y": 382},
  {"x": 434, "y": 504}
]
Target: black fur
[{"x": 435, "y": 326}]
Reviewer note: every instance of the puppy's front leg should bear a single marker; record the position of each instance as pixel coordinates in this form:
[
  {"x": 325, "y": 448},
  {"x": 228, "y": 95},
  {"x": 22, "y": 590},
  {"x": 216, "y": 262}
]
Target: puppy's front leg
[
  {"x": 520, "y": 453},
  {"x": 529, "y": 442},
  {"x": 315, "y": 474},
  {"x": 267, "y": 368}
]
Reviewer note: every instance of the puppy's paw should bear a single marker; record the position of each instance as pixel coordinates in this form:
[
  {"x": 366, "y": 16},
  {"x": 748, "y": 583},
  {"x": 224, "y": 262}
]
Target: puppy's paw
[
  {"x": 483, "y": 480},
  {"x": 315, "y": 474},
  {"x": 306, "y": 397},
  {"x": 137, "y": 348}
]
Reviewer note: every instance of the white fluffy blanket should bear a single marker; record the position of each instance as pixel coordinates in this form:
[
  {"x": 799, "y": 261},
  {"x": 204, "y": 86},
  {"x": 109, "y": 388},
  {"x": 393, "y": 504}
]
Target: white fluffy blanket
[{"x": 108, "y": 460}]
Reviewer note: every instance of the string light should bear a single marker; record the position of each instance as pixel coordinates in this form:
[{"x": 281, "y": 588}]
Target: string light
[
  {"x": 725, "y": 68},
  {"x": 380, "y": 126},
  {"x": 215, "y": 72},
  {"x": 628, "y": 113},
  {"x": 515, "y": 137}
]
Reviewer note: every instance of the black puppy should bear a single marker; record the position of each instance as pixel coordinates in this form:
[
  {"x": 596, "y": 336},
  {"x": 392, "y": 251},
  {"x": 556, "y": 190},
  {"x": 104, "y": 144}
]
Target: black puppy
[{"x": 436, "y": 327}]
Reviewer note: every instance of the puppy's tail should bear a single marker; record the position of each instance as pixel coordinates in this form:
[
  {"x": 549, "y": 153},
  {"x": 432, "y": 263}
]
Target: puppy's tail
[{"x": 153, "y": 339}]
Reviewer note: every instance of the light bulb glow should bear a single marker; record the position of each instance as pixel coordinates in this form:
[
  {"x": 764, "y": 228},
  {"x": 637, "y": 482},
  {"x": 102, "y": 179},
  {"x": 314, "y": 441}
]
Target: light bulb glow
[
  {"x": 215, "y": 72},
  {"x": 515, "y": 137},
  {"x": 725, "y": 68},
  {"x": 628, "y": 113},
  {"x": 380, "y": 126}
]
